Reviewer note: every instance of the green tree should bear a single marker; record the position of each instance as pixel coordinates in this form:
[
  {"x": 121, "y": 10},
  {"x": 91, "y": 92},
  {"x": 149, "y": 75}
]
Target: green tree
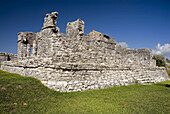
[
  {"x": 167, "y": 60},
  {"x": 159, "y": 60}
]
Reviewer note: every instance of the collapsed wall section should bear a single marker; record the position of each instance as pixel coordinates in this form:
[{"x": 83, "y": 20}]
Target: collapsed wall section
[
  {"x": 7, "y": 57},
  {"x": 86, "y": 49}
]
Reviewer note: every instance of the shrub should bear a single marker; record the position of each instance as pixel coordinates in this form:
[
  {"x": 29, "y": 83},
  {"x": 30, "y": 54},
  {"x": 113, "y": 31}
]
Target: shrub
[
  {"x": 159, "y": 60},
  {"x": 168, "y": 71},
  {"x": 167, "y": 60}
]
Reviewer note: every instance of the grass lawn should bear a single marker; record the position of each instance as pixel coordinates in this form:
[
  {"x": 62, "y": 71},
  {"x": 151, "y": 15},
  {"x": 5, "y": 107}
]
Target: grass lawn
[
  {"x": 168, "y": 70},
  {"x": 27, "y": 95}
]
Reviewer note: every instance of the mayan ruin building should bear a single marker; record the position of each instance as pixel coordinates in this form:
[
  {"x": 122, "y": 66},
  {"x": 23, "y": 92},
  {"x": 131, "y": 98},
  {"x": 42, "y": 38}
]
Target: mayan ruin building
[{"x": 76, "y": 61}]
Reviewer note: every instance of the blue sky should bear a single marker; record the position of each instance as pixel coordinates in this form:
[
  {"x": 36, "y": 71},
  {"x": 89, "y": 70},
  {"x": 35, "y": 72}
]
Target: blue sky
[{"x": 139, "y": 23}]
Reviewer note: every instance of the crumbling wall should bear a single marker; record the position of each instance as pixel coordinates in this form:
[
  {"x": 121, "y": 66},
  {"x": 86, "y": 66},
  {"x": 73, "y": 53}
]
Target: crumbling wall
[
  {"x": 75, "y": 29},
  {"x": 7, "y": 57},
  {"x": 86, "y": 49},
  {"x": 26, "y": 40},
  {"x": 46, "y": 36}
]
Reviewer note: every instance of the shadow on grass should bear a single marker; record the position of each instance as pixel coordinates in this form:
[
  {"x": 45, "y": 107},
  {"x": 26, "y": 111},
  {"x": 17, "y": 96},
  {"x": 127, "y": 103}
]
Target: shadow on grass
[{"x": 165, "y": 84}]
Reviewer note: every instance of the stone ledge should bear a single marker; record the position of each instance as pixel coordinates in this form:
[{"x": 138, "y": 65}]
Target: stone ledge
[{"x": 77, "y": 66}]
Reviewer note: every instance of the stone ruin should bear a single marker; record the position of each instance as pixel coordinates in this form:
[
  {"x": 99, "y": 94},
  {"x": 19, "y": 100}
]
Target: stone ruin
[
  {"x": 76, "y": 61},
  {"x": 7, "y": 57}
]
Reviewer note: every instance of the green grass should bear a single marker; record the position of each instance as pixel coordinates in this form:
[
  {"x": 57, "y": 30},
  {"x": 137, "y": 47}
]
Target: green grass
[
  {"x": 168, "y": 70},
  {"x": 167, "y": 66},
  {"x": 150, "y": 99}
]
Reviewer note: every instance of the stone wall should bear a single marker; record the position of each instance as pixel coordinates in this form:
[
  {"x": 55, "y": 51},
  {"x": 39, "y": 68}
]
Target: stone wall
[
  {"x": 7, "y": 57},
  {"x": 75, "y": 61},
  {"x": 68, "y": 77}
]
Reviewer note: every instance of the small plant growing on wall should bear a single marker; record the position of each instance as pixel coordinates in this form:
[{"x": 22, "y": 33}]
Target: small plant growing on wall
[{"x": 84, "y": 61}]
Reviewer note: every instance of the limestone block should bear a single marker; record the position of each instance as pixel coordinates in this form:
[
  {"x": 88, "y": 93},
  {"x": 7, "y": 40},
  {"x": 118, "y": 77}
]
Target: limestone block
[
  {"x": 61, "y": 84},
  {"x": 52, "y": 82}
]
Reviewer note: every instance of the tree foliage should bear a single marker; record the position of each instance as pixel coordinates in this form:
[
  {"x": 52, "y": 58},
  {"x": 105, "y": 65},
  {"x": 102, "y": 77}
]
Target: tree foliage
[
  {"x": 159, "y": 60},
  {"x": 167, "y": 60}
]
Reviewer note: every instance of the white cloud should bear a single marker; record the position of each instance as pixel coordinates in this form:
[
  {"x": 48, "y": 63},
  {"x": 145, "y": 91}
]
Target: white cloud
[
  {"x": 162, "y": 50},
  {"x": 123, "y": 44}
]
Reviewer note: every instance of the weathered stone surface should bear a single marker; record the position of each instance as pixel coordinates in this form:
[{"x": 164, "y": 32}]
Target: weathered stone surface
[
  {"x": 7, "y": 57},
  {"x": 50, "y": 21},
  {"x": 25, "y": 42},
  {"x": 94, "y": 33},
  {"x": 75, "y": 28},
  {"x": 77, "y": 62}
]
